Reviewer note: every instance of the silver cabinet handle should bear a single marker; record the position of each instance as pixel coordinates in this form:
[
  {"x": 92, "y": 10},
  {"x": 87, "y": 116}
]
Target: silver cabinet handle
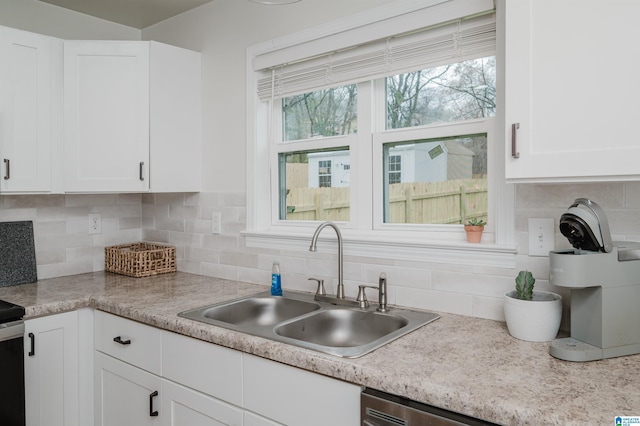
[
  {"x": 514, "y": 140},
  {"x": 142, "y": 170},
  {"x": 7, "y": 172}
]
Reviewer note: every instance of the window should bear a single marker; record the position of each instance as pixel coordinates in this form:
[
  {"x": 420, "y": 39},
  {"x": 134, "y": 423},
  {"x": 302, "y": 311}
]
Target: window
[
  {"x": 311, "y": 187},
  {"x": 427, "y": 181},
  {"x": 395, "y": 169},
  {"x": 393, "y": 138},
  {"x": 449, "y": 93},
  {"x": 328, "y": 112},
  {"x": 324, "y": 174},
  {"x": 442, "y": 183}
]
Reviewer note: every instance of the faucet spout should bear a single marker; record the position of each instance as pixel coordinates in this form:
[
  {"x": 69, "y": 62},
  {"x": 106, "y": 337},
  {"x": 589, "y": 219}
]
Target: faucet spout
[{"x": 312, "y": 247}]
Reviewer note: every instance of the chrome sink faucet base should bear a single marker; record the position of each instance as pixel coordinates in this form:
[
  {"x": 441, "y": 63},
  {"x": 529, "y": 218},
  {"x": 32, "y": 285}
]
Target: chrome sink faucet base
[{"x": 361, "y": 300}]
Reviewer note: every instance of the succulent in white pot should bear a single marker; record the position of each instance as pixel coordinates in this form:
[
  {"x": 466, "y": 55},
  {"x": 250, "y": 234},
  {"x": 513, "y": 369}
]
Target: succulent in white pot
[{"x": 532, "y": 315}]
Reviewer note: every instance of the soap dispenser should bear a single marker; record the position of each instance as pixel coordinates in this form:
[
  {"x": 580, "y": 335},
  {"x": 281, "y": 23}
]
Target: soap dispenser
[{"x": 276, "y": 280}]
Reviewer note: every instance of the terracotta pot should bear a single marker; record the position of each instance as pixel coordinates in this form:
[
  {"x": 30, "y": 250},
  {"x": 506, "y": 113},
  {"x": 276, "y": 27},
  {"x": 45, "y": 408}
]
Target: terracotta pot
[{"x": 474, "y": 233}]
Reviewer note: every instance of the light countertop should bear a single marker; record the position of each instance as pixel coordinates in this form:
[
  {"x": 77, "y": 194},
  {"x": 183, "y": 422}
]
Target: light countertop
[{"x": 463, "y": 364}]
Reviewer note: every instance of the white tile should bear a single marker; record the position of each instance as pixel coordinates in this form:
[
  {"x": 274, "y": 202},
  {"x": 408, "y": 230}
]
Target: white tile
[
  {"x": 11, "y": 215},
  {"x": 488, "y": 307},
  {"x": 183, "y": 212},
  {"x": 238, "y": 259},
  {"x": 475, "y": 284},
  {"x": 434, "y": 300},
  {"x": 221, "y": 242},
  {"x": 196, "y": 254},
  {"x": 219, "y": 271}
]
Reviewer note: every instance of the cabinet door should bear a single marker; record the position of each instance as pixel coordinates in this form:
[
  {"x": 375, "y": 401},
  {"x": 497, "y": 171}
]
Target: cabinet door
[
  {"x": 125, "y": 395},
  {"x": 51, "y": 370},
  {"x": 176, "y": 119},
  {"x": 25, "y": 111},
  {"x": 190, "y": 362},
  {"x": 571, "y": 85},
  {"x": 296, "y": 397},
  {"x": 252, "y": 419},
  {"x": 182, "y": 406},
  {"x": 106, "y": 116}
]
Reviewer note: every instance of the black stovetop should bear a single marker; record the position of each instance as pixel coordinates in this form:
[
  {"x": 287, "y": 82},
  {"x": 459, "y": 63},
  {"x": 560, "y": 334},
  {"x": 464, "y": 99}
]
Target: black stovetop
[{"x": 10, "y": 312}]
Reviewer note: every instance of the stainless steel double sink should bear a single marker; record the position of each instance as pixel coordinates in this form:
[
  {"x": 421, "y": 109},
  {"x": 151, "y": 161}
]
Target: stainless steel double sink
[{"x": 297, "y": 319}]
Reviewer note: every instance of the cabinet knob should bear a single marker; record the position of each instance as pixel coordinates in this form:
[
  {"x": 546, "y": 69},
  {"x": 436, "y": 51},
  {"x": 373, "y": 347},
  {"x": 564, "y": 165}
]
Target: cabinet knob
[{"x": 142, "y": 170}]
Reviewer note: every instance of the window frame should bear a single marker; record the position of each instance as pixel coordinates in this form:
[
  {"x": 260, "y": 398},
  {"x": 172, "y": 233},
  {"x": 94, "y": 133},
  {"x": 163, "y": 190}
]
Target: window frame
[
  {"x": 361, "y": 236},
  {"x": 431, "y": 231}
]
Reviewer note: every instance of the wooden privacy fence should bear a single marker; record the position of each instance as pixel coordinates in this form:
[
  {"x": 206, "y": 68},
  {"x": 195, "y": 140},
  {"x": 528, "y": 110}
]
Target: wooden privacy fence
[{"x": 449, "y": 202}]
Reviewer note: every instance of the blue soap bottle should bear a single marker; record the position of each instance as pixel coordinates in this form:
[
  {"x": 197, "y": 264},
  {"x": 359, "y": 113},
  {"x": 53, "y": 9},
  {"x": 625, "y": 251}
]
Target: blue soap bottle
[{"x": 276, "y": 280}]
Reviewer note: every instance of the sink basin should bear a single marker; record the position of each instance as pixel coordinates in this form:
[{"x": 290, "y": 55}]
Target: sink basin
[
  {"x": 253, "y": 311},
  {"x": 260, "y": 311},
  {"x": 297, "y": 319},
  {"x": 342, "y": 327}
]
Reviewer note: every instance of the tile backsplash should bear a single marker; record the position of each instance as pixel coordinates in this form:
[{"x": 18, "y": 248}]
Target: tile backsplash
[
  {"x": 64, "y": 246},
  {"x": 61, "y": 228}
]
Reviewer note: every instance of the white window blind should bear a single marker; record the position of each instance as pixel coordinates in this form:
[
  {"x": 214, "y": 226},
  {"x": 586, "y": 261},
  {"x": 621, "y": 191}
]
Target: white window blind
[{"x": 454, "y": 41}]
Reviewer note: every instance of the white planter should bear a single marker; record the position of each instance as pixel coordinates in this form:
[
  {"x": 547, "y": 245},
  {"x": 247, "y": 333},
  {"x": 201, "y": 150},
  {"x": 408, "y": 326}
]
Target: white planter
[{"x": 536, "y": 320}]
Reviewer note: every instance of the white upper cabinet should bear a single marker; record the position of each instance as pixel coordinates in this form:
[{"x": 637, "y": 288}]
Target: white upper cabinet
[
  {"x": 26, "y": 74},
  {"x": 132, "y": 117},
  {"x": 106, "y": 116},
  {"x": 572, "y": 90},
  {"x": 176, "y": 119}
]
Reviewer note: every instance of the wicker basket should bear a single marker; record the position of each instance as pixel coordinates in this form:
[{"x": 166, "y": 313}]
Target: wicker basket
[{"x": 140, "y": 259}]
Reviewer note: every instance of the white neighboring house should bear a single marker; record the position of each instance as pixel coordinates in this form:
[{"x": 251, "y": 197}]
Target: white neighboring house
[
  {"x": 329, "y": 169},
  {"x": 420, "y": 162}
]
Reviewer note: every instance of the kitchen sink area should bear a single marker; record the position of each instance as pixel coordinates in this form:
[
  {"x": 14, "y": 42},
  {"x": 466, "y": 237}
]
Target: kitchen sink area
[{"x": 298, "y": 319}]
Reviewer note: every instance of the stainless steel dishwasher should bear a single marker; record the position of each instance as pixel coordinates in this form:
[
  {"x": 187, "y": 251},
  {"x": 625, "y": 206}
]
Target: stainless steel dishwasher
[{"x": 383, "y": 409}]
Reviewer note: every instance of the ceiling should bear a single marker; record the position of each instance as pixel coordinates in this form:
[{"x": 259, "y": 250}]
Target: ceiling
[{"x": 132, "y": 13}]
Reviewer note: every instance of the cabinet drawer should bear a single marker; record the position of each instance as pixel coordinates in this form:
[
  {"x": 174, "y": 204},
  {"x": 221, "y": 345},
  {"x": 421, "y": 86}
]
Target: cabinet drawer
[
  {"x": 130, "y": 341},
  {"x": 208, "y": 368}
]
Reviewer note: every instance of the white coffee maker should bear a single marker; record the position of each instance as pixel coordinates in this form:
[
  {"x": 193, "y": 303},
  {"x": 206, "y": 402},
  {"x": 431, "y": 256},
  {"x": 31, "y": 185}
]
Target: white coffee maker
[{"x": 604, "y": 278}]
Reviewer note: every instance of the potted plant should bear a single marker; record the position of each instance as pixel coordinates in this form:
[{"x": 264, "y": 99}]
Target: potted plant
[
  {"x": 474, "y": 229},
  {"x": 532, "y": 315}
]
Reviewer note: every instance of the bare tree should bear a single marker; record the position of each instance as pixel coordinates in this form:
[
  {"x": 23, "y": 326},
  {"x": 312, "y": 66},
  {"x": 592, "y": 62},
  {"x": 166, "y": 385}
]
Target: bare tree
[
  {"x": 327, "y": 112},
  {"x": 454, "y": 92}
]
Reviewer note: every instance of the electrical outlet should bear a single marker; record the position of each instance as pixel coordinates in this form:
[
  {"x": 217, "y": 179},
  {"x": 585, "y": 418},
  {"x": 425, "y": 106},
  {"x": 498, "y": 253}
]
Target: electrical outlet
[
  {"x": 541, "y": 237},
  {"x": 216, "y": 223},
  {"x": 95, "y": 223}
]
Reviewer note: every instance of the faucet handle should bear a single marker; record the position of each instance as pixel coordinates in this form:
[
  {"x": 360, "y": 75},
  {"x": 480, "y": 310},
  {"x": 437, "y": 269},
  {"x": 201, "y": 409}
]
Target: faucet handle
[
  {"x": 320, "y": 290},
  {"x": 362, "y": 296}
]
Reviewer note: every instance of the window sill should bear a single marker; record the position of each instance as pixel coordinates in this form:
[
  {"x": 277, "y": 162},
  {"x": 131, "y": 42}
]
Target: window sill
[{"x": 390, "y": 247}]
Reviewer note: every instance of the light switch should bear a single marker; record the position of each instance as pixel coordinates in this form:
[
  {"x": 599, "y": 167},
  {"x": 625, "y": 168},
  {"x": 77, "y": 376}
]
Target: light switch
[
  {"x": 541, "y": 236},
  {"x": 216, "y": 223}
]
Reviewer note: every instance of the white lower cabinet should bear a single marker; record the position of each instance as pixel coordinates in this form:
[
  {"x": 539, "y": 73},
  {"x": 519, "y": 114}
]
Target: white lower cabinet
[
  {"x": 129, "y": 396},
  {"x": 296, "y": 397},
  {"x": 182, "y": 406},
  {"x": 202, "y": 384},
  {"x": 51, "y": 370},
  {"x": 252, "y": 419},
  {"x": 125, "y": 395}
]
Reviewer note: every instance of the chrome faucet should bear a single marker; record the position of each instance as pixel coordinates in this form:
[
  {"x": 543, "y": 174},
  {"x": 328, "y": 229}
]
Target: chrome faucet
[{"x": 312, "y": 247}]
